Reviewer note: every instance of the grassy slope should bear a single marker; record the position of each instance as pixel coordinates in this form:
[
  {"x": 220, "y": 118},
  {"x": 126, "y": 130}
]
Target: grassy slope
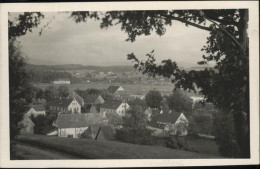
[{"x": 91, "y": 149}]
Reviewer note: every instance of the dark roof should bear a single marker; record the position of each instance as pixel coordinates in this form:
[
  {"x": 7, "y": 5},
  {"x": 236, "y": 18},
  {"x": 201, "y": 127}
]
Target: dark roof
[
  {"x": 168, "y": 117},
  {"x": 48, "y": 129},
  {"x": 114, "y": 104},
  {"x": 61, "y": 101},
  {"x": 112, "y": 89},
  {"x": 77, "y": 97},
  {"x": 78, "y": 120},
  {"x": 90, "y": 98},
  {"x": 38, "y": 107},
  {"x": 106, "y": 131}
]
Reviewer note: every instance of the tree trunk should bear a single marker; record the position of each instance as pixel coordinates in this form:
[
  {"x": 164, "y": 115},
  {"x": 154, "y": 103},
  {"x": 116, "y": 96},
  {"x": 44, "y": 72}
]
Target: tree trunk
[{"x": 241, "y": 117}]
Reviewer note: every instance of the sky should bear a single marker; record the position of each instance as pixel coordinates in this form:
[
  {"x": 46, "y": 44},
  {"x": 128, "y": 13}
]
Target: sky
[{"x": 65, "y": 42}]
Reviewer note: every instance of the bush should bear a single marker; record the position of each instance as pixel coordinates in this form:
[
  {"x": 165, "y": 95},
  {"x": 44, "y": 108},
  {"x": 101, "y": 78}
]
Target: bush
[
  {"x": 135, "y": 135},
  {"x": 179, "y": 143}
]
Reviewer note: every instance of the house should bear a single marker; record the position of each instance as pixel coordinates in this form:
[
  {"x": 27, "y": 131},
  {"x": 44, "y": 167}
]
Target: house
[
  {"x": 65, "y": 105},
  {"x": 75, "y": 95},
  {"x": 73, "y": 125},
  {"x": 35, "y": 110},
  {"x": 61, "y": 81},
  {"x": 99, "y": 132},
  {"x": 90, "y": 99},
  {"x": 172, "y": 123},
  {"x": 28, "y": 125},
  {"x": 115, "y": 106},
  {"x": 116, "y": 90}
]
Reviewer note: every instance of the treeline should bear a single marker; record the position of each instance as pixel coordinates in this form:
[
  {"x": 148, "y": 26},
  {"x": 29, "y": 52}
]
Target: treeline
[{"x": 49, "y": 76}]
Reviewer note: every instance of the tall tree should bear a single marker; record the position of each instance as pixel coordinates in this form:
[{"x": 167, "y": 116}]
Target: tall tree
[
  {"x": 180, "y": 102},
  {"x": 153, "y": 99},
  {"x": 63, "y": 90},
  {"x": 18, "y": 79},
  {"x": 226, "y": 84}
]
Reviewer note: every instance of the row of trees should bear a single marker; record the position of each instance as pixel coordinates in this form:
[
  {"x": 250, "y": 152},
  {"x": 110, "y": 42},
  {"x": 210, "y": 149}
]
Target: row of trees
[{"x": 47, "y": 76}]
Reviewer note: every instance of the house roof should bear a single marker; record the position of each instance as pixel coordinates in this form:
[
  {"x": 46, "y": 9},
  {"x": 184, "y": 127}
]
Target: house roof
[
  {"x": 79, "y": 99},
  {"x": 48, "y": 129},
  {"x": 78, "y": 120},
  {"x": 113, "y": 89},
  {"x": 61, "y": 101},
  {"x": 114, "y": 104},
  {"x": 62, "y": 79},
  {"x": 164, "y": 118},
  {"x": 37, "y": 107},
  {"x": 106, "y": 130},
  {"x": 91, "y": 98}
]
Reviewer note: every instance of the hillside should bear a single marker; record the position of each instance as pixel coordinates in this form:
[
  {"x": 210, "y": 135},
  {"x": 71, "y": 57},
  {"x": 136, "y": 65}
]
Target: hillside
[
  {"x": 94, "y": 149},
  {"x": 80, "y": 67}
]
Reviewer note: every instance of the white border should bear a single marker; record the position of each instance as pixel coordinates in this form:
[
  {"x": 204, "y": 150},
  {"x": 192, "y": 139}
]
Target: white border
[{"x": 253, "y": 32}]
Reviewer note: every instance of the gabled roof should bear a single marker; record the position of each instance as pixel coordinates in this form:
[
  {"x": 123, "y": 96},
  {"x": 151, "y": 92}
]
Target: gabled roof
[
  {"x": 61, "y": 101},
  {"x": 113, "y": 89},
  {"x": 168, "y": 117},
  {"x": 38, "y": 107},
  {"x": 48, "y": 129},
  {"x": 90, "y": 98},
  {"x": 78, "y": 120},
  {"x": 77, "y": 97},
  {"x": 114, "y": 104}
]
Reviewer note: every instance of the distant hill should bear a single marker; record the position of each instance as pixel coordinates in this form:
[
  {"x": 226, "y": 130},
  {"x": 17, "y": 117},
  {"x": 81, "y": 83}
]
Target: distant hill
[{"x": 80, "y": 67}]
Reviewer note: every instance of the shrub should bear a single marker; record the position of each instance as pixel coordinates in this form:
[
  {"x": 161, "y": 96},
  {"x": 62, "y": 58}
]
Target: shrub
[
  {"x": 179, "y": 143},
  {"x": 135, "y": 135}
]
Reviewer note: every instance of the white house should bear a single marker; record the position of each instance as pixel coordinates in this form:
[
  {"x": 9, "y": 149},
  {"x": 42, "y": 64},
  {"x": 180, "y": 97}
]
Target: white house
[
  {"x": 73, "y": 125},
  {"x": 66, "y": 105},
  {"x": 115, "y": 106},
  {"x": 61, "y": 81},
  {"x": 35, "y": 110}
]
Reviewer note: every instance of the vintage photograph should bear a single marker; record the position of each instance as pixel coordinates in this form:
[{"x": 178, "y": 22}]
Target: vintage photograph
[{"x": 129, "y": 84}]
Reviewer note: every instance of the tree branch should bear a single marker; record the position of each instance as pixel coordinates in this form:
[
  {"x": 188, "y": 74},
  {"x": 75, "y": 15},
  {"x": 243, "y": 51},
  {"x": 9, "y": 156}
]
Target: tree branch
[{"x": 192, "y": 24}]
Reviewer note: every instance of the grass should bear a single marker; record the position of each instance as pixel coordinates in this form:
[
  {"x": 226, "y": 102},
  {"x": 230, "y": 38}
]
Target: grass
[{"x": 94, "y": 149}]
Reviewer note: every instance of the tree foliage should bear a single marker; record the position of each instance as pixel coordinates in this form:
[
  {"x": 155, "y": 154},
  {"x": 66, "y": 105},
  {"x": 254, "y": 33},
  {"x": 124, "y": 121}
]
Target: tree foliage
[
  {"x": 63, "y": 90},
  {"x": 180, "y": 102},
  {"x": 226, "y": 84},
  {"x": 153, "y": 99}
]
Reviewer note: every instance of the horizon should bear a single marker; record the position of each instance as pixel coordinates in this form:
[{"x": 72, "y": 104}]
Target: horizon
[{"x": 65, "y": 42}]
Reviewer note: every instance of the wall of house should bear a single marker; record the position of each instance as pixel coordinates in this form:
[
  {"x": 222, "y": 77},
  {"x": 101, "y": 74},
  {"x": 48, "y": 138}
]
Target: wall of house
[
  {"x": 121, "y": 110},
  {"x": 28, "y": 126},
  {"x": 75, "y": 132},
  {"x": 35, "y": 113},
  {"x": 107, "y": 110},
  {"x": 61, "y": 82},
  {"x": 74, "y": 107}
]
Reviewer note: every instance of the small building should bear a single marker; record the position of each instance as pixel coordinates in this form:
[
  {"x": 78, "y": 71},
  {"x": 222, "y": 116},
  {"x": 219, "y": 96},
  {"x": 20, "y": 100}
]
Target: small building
[
  {"x": 65, "y": 105},
  {"x": 27, "y": 125},
  {"x": 73, "y": 125},
  {"x": 117, "y": 91},
  {"x": 35, "y": 110},
  {"x": 172, "y": 123},
  {"x": 61, "y": 81},
  {"x": 115, "y": 106}
]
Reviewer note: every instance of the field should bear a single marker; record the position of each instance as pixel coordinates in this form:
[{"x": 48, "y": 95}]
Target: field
[
  {"x": 135, "y": 88},
  {"x": 94, "y": 149}
]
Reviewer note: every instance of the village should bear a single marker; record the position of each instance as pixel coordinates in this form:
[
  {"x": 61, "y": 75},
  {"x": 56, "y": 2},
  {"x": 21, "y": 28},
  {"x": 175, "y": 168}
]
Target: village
[{"x": 102, "y": 114}]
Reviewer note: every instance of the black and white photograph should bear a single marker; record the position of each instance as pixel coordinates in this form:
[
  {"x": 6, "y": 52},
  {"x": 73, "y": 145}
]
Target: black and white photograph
[{"x": 109, "y": 83}]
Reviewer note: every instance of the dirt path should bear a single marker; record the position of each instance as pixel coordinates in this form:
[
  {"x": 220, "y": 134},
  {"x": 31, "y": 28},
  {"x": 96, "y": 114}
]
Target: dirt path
[{"x": 26, "y": 151}]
